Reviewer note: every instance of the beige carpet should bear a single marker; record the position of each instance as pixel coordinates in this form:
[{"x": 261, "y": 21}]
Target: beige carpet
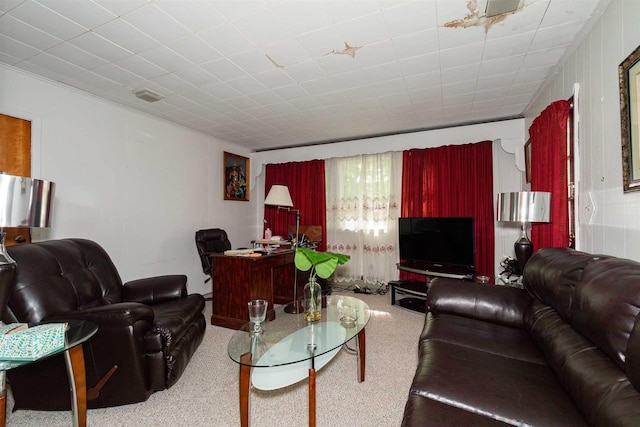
[{"x": 207, "y": 393}]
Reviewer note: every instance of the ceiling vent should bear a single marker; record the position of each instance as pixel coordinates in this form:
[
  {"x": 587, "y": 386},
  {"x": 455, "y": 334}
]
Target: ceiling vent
[
  {"x": 500, "y": 7},
  {"x": 147, "y": 95}
]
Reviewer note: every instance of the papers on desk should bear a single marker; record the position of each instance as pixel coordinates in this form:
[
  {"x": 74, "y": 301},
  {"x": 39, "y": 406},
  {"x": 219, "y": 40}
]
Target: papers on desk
[
  {"x": 273, "y": 242},
  {"x": 241, "y": 252}
]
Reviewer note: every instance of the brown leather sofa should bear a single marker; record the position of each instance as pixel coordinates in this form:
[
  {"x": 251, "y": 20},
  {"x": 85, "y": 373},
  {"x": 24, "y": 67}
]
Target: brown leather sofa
[
  {"x": 148, "y": 329},
  {"x": 564, "y": 351}
]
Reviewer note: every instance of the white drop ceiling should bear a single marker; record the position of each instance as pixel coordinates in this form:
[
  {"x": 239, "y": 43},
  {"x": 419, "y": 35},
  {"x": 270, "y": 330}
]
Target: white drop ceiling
[{"x": 272, "y": 74}]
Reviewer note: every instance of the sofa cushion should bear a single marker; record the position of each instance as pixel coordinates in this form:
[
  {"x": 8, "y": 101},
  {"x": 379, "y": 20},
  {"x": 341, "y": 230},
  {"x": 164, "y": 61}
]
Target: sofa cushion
[
  {"x": 596, "y": 383},
  {"x": 551, "y": 275},
  {"x": 420, "y": 411},
  {"x": 607, "y": 303},
  {"x": 502, "y": 388},
  {"x": 497, "y": 304},
  {"x": 501, "y": 340}
]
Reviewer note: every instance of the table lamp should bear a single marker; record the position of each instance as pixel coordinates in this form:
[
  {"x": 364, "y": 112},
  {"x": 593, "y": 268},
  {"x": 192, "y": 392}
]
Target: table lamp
[
  {"x": 24, "y": 202},
  {"x": 280, "y": 197},
  {"x": 524, "y": 207}
]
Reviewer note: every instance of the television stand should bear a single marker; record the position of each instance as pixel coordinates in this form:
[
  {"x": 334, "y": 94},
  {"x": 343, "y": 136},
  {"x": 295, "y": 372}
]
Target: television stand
[{"x": 416, "y": 294}]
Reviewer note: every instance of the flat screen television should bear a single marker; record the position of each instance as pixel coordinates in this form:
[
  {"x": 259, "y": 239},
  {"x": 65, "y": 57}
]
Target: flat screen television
[{"x": 439, "y": 243}]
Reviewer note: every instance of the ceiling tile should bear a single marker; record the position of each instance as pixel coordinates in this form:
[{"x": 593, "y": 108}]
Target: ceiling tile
[
  {"x": 365, "y": 30},
  {"x": 253, "y": 61},
  {"x": 223, "y": 69},
  {"x": 415, "y": 44},
  {"x": 120, "y": 8},
  {"x": 263, "y": 27},
  {"x": 47, "y": 20},
  {"x": 140, "y": 66},
  {"x": 165, "y": 58},
  {"x": 194, "y": 49},
  {"x": 410, "y": 17},
  {"x": 420, "y": 64},
  {"x": 77, "y": 56},
  {"x": 383, "y": 72},
  {"x": 156, "y": 23},
  {"x": 15, "y": 48},
  {"x": 100, "y": 47},
  {"x": 464, "y": 55},
  {"x": 345, "y": 11},
  {"x": 274, "y": 78},
  {"x": 7, "y": 5},
  {"x": 375, "y": 54},
  {"x": 196, "y": 76},
  {"x": 55, "y": 64},
  {"x": 27, "y": 34},
  {"x": 322, "y": 41},
  {"x": 226, "y": 39},
  {"x": 246, "y": 85},
  {"x": 302, "y": 17},
  {"x": 125, "y": 35},
  {"x": 173, "y": 83},
  {"x": 195, "y": 15},
  {"x": 232, "y": 9},
  {"x": 466, "y": 72},
  {"x": 304, "y": 71},
  {"x": 290, "y": 92},
  {"x": 85, "y": 13},
  {"x": 286, "y": 52},
  {"x": 508, "y": 46}
]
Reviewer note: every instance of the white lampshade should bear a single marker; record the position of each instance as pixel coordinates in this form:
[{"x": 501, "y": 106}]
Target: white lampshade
[
  {"x": 279, "y": 196},
  {"x": 525, "y": 206}
]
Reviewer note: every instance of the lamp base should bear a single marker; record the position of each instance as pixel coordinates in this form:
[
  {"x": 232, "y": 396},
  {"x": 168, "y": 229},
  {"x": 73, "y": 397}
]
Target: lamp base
[
  {"x": 294, "y": 307},
  {"x": 523, "y": 249}
]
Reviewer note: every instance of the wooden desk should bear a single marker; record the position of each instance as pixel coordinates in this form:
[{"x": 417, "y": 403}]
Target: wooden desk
[{"x": 240, "y": 279}]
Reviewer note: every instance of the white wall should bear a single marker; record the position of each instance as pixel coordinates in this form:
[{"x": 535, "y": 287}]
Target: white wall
[
  {"x": 608, "y": 218},
  {"x": 137, "y": 185},
  {"x": 508, "y": 152}
]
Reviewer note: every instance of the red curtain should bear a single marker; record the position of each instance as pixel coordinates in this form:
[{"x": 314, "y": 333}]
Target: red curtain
[
  {"x": 306, "y": 184},
  {"x": 548, "y": 134},
  {"x": 450, "y": 181}
]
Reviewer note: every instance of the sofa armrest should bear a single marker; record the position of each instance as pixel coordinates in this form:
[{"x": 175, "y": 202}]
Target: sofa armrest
[
  {"x": 493, "y": 303},
  {"x": 153, "y": 290},
  {"x": 108, "y": 316}
]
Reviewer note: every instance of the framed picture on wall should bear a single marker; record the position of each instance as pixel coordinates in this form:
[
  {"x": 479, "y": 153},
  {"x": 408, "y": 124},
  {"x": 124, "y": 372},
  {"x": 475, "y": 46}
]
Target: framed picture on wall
[
  {"x": 629, "y": 75},
  {"x": 527, "y": 160},
  {"x": 236, "y": 177}
]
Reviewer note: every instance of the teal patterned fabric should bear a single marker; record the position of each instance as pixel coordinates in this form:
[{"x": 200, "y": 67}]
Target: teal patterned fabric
[{"x": 31, "y": 343}]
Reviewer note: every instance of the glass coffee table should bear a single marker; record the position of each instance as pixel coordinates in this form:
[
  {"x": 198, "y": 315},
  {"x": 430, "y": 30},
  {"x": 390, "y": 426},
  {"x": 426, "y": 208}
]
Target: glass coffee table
[{"x": 290, "y": 349}]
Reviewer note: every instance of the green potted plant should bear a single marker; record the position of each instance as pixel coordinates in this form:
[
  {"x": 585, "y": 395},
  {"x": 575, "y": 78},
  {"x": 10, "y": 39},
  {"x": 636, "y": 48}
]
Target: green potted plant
[{"x": 321, "y": 264}]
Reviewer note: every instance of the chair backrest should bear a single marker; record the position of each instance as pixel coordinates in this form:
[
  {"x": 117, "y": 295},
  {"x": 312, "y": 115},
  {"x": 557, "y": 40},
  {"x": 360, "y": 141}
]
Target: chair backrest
[
  {"x": 212, "y": 240},
  {"x": 56, "y": 276}
]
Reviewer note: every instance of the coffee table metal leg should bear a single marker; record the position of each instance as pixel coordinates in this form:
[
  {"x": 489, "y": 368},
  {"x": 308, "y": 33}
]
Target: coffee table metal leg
[
  {"x": 362, "y": 355},
  {"x": 245, "y": 382},
  {"x": 74, "y": 359}
]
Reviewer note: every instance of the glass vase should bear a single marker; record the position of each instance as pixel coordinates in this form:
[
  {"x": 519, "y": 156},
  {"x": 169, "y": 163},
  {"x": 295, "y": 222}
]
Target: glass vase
[{"x": 312, "y": 301}]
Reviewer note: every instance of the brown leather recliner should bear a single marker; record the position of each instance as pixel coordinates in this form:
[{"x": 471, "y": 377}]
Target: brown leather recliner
[{"x": 148, "y": 329}]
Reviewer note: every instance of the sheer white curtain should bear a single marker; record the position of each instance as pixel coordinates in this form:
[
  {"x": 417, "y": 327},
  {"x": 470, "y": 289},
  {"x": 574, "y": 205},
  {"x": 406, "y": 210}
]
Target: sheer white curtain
[{"x": 363, "y": 206}]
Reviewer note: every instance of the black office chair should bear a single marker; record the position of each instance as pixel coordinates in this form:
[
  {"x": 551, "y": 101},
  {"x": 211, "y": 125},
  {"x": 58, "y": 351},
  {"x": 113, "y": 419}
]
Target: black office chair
[{"x": 210, "y": 241}]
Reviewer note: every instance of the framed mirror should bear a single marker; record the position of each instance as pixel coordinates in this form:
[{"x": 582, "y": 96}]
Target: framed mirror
[{"x": 629, "y": 75}]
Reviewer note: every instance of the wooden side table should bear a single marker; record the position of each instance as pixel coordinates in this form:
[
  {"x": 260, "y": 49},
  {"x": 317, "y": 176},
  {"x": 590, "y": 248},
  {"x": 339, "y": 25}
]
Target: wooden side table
[{"x": 78, "y": 331}]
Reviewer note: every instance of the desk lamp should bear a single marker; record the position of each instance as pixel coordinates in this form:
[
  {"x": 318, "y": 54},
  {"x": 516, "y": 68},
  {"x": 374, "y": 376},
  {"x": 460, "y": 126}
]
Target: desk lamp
[
  {"x": 524, "y": 207},
  {"x": 280, "y": 197},
  {"x": 24, "y": 202}
]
